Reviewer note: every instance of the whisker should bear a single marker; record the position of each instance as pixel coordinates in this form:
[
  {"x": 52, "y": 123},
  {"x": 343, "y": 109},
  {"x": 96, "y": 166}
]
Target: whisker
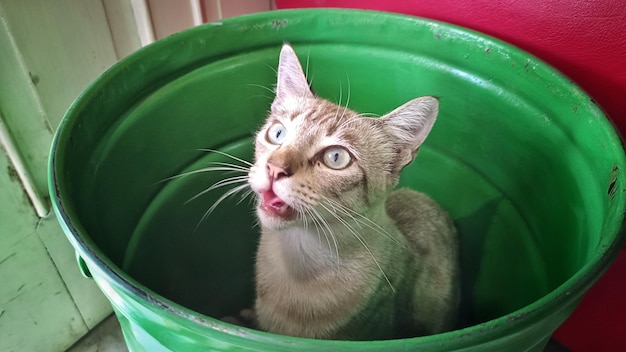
[
  {"x": 226, "y": 154},
  {"x": 262, "y": 86},
  {"x": 273, "y": 68},
  {"x": 247, "y": 194},
  {"x": 231, "y": 192},
  {"x": 233, "y": 166},
  {"x": 340, "y": 99},
  {"x": 306, "y": 74},
  {"x": 363, "y": 220},
  {"x": 319, "y": 223},
  {"x": 221, "y": 183},
  {"x": 348, "y": 121},
  {"x": 251, "y": 199},
  {"x": 256, "y": 223},
  {"x": 251, "y": 97},
  {"x": 206, "y": 169},
  {"x": 363, "y": 243},
  {"x": 302, "y": 215},
  {"x": 228, "y": 181},
  {"x": 306, "y": 69},
  {"x": 345, "y": 108},
  {"x": 315, "y": 224},
  {"x": 325, "y": 226}
]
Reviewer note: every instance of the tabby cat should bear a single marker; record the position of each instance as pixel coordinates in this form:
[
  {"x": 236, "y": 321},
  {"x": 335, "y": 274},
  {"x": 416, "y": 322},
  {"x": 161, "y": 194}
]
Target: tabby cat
[{"x": 342, "y": 255}]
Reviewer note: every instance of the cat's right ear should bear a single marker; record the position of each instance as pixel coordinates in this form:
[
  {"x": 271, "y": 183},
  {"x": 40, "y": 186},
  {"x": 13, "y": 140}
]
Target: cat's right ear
[
  {"x": 408, "y": 126},
  {"x": 291, "y": 85}
]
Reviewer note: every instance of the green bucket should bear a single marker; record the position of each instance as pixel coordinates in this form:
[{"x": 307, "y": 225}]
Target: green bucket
[{"x": 526, "y": 163}]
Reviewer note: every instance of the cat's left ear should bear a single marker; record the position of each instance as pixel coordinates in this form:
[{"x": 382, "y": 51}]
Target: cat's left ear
[
  {"x": 409, "y": 125},
  {"x": 291, "y": 84}
]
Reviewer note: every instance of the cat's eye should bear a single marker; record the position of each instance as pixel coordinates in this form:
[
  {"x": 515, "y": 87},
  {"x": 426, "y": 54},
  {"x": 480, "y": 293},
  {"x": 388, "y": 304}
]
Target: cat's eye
[
  {"x": 276, "y": 133},
  {"x": 336, "y": 158}
]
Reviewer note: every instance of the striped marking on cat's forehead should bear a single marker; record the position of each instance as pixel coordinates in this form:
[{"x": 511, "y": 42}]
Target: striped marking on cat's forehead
[{"x": 326, "y": 116}]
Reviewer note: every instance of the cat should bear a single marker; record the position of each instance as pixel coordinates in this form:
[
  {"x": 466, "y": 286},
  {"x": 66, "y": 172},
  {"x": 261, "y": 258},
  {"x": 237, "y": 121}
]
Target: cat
[{"x": 341, "y": 254}]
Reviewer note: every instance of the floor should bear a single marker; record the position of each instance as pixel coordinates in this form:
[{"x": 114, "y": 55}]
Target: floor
[{"x": 107, "y": 337}]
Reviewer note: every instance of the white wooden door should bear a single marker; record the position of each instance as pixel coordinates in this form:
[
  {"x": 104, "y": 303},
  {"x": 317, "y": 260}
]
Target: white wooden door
[{"x": 49, "y": 52}]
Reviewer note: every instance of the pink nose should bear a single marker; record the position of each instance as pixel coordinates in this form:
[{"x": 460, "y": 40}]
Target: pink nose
[{"x": 276, "y": 172}]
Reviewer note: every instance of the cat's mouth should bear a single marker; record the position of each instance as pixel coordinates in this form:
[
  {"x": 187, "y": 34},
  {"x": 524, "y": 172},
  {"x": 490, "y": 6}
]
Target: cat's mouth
[{"x": 272, "y": 205}]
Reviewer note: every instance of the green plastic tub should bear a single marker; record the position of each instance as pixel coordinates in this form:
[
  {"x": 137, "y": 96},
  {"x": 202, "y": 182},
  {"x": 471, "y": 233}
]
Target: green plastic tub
[{"x": 527, "y": 164}]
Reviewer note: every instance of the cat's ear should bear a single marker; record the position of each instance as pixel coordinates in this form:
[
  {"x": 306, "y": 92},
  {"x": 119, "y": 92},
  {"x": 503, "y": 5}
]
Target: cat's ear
[
  {"x": 291, "y": 85},
  {"x": 409, "y": 125}
]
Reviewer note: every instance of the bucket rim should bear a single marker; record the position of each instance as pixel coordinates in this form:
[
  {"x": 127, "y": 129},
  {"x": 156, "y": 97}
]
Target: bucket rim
[{"x": 569, "y": 291}]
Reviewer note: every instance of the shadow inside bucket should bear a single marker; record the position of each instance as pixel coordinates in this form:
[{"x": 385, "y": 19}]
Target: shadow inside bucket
[
  {"x": 475, "y": 225},
  {"x": 207, "y": 264}
]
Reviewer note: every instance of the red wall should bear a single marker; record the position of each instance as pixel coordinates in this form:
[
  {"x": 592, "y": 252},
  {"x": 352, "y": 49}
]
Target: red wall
[{"x": 584, "y": 39}]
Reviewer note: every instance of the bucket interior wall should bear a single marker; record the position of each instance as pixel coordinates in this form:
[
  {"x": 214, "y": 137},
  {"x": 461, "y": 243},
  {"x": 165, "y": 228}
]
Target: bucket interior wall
[{"x": 513, "y": 156}]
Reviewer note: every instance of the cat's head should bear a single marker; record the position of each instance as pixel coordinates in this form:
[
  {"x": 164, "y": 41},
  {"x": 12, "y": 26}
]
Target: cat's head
[{"x": 313, "y": 157}]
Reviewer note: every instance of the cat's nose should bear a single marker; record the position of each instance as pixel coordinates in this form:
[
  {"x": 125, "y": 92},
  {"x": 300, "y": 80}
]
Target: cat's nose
[{"x": 277, "y": 172}]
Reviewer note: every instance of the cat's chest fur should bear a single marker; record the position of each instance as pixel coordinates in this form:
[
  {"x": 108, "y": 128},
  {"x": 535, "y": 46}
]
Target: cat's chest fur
[{"x": 308, "y": 286}]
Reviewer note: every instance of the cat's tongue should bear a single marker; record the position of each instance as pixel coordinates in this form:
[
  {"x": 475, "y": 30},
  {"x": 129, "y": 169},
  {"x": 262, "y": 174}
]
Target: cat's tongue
[{"x": 275, "y": 206}]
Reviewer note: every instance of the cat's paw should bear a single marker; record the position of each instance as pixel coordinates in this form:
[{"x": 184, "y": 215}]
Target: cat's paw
[{"x": 246, "y": 318}]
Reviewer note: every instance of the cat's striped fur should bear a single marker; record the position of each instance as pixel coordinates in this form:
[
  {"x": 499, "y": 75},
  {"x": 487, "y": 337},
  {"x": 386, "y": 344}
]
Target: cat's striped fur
[{"x": 342, "y": 255}]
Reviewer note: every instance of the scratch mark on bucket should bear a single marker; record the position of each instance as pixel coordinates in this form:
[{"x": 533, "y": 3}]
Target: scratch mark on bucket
[
  {"x": 613, "y": 183},
  {"x": 279, "y": 24}
]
